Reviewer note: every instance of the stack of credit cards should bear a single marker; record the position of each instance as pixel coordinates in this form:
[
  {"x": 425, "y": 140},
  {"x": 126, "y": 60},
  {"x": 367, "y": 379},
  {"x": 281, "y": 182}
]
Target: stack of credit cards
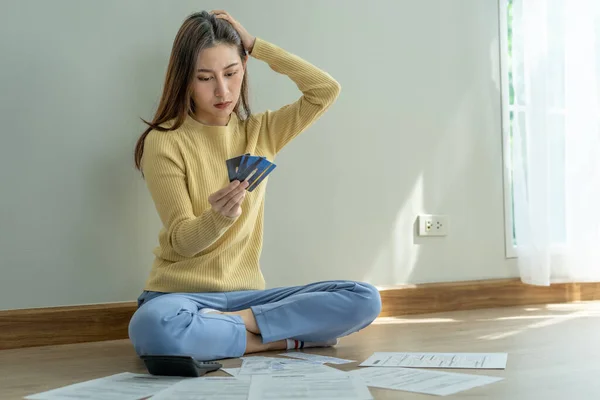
[{"x": 247, "y": 167}]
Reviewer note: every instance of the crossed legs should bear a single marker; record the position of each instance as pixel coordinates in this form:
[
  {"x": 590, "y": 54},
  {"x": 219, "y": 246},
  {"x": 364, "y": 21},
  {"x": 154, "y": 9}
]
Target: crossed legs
[{"x": 251, "y": 321}]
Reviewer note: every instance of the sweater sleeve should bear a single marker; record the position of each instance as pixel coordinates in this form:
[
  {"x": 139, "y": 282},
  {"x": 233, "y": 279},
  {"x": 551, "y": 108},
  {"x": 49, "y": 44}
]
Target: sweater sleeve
[
  {"x": 319, "y": 91},
  {"x": 164, "y": 172}
]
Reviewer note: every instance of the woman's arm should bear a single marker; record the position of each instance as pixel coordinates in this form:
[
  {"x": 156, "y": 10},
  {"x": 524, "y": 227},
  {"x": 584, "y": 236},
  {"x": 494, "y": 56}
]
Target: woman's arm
[
  {"x": 163, "y": 170},
  {"x": 319, "y": 91}
]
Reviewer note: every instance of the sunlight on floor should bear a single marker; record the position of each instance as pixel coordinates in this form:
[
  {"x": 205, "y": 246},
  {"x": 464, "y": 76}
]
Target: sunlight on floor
[
  {"x": 394, "y": 287},
  {"x": 549, "y": 320},
  {"x": 397, "y": 320},
  {"x": 584, "y": 305},
  {"x": 552, "y": 316}
]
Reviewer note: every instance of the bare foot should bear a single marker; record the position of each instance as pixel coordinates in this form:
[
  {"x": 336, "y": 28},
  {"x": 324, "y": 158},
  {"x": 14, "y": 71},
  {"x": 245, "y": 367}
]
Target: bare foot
[
  {"x": 249, "y": 320},
  {"x": 254, "y": 344}
]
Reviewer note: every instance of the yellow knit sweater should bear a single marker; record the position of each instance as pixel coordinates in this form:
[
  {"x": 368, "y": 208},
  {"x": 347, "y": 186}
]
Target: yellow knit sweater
[{"x": 200, "y": 250}]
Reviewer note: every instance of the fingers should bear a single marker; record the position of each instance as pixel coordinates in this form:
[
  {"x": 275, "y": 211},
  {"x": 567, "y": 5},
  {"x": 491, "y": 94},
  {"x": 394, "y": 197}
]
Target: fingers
[
  {"x": 228, "y": 203},
  {"x": 234, "y": 203},
  {"x": 219, "y": 194},
  {"x": 225, "y": 199},
  {"x": 222, "y": 14},
  {"x": 230, "y": 207}
]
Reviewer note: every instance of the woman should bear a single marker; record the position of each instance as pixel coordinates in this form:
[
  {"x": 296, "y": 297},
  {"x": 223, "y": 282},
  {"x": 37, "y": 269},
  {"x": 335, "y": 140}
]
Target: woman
[{"x": 205, "y": 295}]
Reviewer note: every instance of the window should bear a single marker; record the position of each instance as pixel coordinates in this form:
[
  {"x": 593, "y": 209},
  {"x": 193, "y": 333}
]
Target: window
[{"x": 517, "y": 82}]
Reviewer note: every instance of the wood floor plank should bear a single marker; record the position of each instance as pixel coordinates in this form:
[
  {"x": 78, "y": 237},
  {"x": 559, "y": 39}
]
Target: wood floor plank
[{"x": 552, "y": 353}]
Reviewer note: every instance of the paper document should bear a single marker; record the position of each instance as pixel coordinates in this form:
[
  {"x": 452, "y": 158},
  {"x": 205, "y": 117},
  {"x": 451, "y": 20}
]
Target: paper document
[
  {"x": 231, "y": 371},
  {"x": 316, "y": 358},
  {"x": 313, "y": 387},
  {"x": 416, "y": 380},
  {"x": 236, "y": 373},
  {"x": 206, "y": 388},
  {"x": 123, "y": 386},
  {"x": 270, "y": 366},
  {"x": 437, "y": 360}
]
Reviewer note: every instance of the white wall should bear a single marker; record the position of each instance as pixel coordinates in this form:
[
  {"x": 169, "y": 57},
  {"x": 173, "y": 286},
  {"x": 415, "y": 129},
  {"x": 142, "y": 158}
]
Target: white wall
[{"x": 416, "y": 129}]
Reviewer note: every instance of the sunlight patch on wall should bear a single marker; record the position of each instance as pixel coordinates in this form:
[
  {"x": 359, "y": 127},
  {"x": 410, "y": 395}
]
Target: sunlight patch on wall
[{"x": 398, "y": 254}]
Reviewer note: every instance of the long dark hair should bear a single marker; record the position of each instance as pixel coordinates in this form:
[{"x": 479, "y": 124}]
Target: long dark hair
[{"x": 199, "y": 31}]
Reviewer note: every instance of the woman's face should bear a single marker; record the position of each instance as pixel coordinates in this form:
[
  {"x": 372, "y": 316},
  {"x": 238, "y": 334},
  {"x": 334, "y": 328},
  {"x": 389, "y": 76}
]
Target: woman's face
[{"x": 217, "y": 83}]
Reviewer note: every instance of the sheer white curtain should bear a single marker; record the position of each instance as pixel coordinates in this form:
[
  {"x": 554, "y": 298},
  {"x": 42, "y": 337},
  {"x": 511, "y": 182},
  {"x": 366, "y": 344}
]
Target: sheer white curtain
[{"x": 556, "y": 139}]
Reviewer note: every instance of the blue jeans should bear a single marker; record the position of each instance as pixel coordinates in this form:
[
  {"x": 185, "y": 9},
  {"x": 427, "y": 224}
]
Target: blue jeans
[{"x": 171, "y": 323}]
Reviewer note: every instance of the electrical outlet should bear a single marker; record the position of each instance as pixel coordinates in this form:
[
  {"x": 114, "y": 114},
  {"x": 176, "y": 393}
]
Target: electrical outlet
[{"x": 433, "y": 225}]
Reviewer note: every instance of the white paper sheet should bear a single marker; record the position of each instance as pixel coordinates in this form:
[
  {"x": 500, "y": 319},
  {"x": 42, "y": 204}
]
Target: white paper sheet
[
  {"x": 231, "y": 371},
  {"x": 313, "y": 387},
  {"x": 316, "y": 358},
  {"x": 235, "y": 372},
  {"x": 270, "y": 366},
  {"x": 420, "y": 381},
  {"x": 206, "y": 388},
  {"x": 124, "y": 386},
  {"x": 437, "y": 360}
]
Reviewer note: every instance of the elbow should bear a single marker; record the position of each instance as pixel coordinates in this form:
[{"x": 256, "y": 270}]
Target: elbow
[
  {"x": 176, "y": 238},
  {"x": 328, "y": 93},
  {"x": 338, "y": 88},
  {"x": 182, "y": 250},
  {"x": 325, "y": 94},
  {"x": 334, "y": 90}
]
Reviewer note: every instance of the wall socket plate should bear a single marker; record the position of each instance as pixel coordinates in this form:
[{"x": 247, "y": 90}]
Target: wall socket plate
[{"x": 433, "y": 225}]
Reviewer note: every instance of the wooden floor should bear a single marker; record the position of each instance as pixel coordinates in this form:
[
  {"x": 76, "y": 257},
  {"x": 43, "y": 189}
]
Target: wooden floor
[{"x": 553, "y": 353}]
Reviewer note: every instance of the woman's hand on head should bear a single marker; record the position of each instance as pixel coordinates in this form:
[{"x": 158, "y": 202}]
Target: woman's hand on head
[
  {"x": 247, "y": 39},
  {"x": 228, "y": 201}
]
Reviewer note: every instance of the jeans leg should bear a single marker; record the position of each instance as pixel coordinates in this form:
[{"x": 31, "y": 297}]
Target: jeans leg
[
  {"x": 171, "y": 324},
  {"x": 315, "y": 312}
]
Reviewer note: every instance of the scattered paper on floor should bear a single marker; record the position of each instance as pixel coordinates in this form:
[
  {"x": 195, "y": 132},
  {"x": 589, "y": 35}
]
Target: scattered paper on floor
[
  {"x": 235, "y": 372},
  {"x": 299, "y": 376},
  {"x": 313, "y": 387},
  {"x": 269, "y": 366},
  {"x": 316, "y": 358},
  {"x": 124, "y": 386},
  {"x": 437, "y": 360},
  {"x": 421, "y": 381},
  {"x": 206, "y": 388}
]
